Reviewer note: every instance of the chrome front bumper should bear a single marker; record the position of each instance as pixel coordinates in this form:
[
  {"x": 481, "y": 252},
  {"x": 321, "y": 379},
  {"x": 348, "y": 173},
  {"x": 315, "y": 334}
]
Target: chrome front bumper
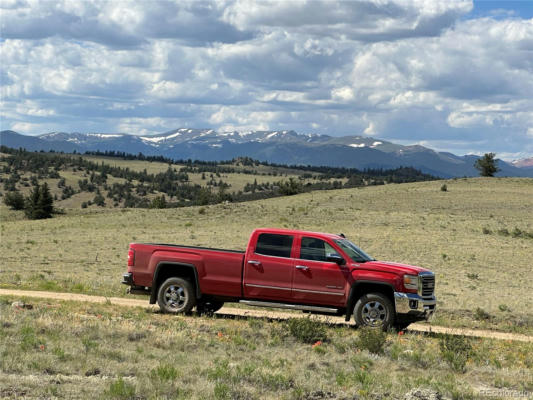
[{"x": 415, "y": 305}]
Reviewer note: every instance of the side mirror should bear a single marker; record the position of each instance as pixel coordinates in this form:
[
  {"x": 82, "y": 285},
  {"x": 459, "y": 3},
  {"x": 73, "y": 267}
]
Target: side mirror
[{"x": 333, "y": 257}]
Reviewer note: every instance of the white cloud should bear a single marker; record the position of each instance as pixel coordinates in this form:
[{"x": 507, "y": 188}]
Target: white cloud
[
  {"x": 342, "y": 94},
  {"x": 402, "y": 70},
  {"x": 25, "y": 127}
]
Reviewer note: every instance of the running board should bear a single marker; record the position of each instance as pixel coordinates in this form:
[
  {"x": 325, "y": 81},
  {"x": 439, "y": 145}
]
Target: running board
[{"x": 289, "y": 306}]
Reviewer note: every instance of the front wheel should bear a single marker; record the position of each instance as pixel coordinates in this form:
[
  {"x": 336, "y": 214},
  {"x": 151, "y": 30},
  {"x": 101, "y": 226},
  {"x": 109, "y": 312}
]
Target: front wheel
[
  {"x": 374, "y": 310},
  {"x": 175, "y": 296}
]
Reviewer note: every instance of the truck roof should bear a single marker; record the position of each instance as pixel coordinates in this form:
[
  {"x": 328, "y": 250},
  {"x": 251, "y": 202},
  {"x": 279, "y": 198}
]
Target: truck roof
[{"x": 297, "y": 232}]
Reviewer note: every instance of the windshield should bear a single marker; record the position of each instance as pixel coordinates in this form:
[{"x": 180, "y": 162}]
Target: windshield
[{"x": 355, "y": 253}]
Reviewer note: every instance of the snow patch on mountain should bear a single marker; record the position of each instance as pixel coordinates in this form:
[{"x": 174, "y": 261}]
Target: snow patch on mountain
[
  {"x": 153, "y": 139},
  {"x": 105, "y": 135}
]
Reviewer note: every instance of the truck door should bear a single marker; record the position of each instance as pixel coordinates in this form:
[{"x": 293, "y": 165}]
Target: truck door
[
  {"x": 269, "y": 268},
  {"x": 315, "y": 279}
]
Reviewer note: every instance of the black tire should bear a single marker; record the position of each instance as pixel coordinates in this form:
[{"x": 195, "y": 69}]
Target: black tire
[
  {"x": 176, "y": 296},
  {"x": 374, "y": 310},
  {"x": 209, "y": 307}
]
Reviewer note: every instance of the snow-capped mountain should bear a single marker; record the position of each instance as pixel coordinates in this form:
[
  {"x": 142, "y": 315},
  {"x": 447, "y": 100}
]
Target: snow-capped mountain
[
  {"x": 523, "y": 163},
  {"x": 283, "y": 147}
]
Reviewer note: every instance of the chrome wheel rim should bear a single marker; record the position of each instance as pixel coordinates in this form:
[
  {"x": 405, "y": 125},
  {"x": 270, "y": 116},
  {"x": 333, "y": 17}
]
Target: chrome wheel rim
[
  {"x": 175, "y": 297},
  {"x": 374, "y": 313}
]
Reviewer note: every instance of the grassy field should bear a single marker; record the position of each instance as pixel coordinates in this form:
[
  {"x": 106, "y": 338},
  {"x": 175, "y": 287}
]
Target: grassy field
[
  {"x": 80, "y": 350},
  {"x": 467, "y": 235}
]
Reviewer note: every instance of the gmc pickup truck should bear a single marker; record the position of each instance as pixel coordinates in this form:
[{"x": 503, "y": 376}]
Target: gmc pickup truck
[{"x": 309, "y": 271}]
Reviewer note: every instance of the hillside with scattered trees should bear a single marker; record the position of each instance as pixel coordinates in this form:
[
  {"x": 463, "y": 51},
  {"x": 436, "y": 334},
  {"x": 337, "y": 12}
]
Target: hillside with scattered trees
[{"x": 114, "y": 179}]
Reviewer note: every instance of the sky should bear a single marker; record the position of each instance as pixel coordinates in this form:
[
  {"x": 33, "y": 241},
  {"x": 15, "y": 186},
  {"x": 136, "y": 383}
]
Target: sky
[{"x": 452, "y": 75}]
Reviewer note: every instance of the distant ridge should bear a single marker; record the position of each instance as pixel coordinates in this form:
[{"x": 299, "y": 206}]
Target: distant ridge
[{"x": 282, "y": 147}]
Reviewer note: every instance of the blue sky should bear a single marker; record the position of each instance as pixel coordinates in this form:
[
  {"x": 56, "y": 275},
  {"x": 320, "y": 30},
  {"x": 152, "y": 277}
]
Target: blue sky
[
  {"x": 453, "y": 75},
  {"x": 490, "y": 8}
]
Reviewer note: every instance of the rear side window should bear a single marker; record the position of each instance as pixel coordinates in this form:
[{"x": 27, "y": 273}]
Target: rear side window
[
  {"x": 315, "y": 249},
  {"x": 270, "y": 244}
]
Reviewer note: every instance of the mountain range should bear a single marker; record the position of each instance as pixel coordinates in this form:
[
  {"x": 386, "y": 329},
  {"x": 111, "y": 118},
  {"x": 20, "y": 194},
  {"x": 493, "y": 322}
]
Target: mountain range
[{"x": 282, "y": 147}]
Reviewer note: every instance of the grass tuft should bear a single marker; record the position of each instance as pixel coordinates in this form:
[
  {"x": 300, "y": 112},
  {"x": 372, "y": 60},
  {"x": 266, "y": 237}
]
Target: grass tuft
[
  {"x": 307, "y": 330},
  {"x": 120, "y": 389},
  {"x": 456, "y": 350},
  {"x": 372, "y": 340}
]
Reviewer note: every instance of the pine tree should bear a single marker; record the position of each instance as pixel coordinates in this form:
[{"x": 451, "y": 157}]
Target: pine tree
[
  {"x": 99, "y": 200},
  {"x": 46, "y": 201},
  {"x": 40, "y": 203},
  {"x": 487, "y": 165},
  {"x": 159, "y": 202}
]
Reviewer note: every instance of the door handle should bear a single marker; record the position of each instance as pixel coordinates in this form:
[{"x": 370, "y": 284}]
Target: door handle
[
  {"x": 254, "y": 263},
  {"x": 302, "y": 267}
]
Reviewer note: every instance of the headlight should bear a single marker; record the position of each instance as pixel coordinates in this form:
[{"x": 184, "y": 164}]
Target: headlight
[{"x": 410, "y": 281}]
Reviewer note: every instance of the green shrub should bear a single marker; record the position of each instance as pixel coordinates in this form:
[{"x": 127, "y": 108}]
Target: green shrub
[
  {"x": 14, "y": 200},
  {"x": 372, "y": 339},
  {"x": 473, "y": 276},
  {"x": 307, "y": 330},
  {"x": 481, "y": 315},
  {"x": 120, "y": 389},
  {"x": 99, "y": 200},
  {"x": 164, "y": 372},
  {"x": 159, "y": 202},
  {"x": 28, "y": 338},
  {"x": 444, "y": 188},
  {"x": 222, "y": 391},
  {"x": 486, "y": 231},
  {"x": 456, "y": 350},
  {"x": 503, "y": 232}
]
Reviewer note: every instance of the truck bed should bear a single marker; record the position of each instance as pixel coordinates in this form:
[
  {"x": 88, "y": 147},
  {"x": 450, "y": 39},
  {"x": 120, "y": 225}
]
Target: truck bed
[{"x": 219, "y": 271}]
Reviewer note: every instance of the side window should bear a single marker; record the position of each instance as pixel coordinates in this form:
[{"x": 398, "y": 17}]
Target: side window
[
  {"x": 270, "y": 244},
  {"x": 315, "y": 249}
]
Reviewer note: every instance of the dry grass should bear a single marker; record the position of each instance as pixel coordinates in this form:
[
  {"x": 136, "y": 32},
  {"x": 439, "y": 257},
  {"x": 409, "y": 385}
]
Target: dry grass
[
  {"x": 76, "y": 350},
  {"x": 85, "y": 250}
]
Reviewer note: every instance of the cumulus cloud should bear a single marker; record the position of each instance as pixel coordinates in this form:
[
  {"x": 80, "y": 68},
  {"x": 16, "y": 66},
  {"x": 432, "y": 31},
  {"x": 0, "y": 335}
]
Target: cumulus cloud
[
  {"x": 409, "y": 71},
  {"x": 363, "y": 20}
]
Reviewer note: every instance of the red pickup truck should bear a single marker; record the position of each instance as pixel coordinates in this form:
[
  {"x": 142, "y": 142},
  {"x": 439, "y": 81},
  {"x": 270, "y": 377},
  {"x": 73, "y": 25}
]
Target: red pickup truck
[{"x": 309, "y": 271}]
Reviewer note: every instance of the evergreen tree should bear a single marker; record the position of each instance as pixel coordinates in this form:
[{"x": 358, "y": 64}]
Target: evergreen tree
[
  {"x": 487, "y": 165},
  {"x": 40, "y": 203},
  {"x": 159, "y": 202},
  {"x": 14, "y": 200},
  {"x": 99, "y": 200}
]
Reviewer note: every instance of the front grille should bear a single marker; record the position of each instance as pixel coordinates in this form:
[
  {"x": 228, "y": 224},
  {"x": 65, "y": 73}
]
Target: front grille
[{"x": 427, "y": 285}]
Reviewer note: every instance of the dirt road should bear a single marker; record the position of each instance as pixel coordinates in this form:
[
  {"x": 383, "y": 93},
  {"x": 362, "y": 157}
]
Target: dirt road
[{"x": 258, "y": 313}]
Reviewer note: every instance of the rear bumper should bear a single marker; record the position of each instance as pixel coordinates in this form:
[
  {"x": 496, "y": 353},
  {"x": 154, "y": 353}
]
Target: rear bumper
[
  {"x": 127, "y": 279},
  {"x": 413, "y": 306}
]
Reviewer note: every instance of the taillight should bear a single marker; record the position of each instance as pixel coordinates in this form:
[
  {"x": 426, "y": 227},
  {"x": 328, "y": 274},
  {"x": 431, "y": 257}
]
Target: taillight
[{"x": 131, "y": 257}]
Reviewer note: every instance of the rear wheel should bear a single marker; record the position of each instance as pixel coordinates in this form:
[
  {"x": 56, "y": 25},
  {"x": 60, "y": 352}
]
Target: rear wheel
[
  {"x": 176, "y": 296},
  {"x": 374, "y": 310}
]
